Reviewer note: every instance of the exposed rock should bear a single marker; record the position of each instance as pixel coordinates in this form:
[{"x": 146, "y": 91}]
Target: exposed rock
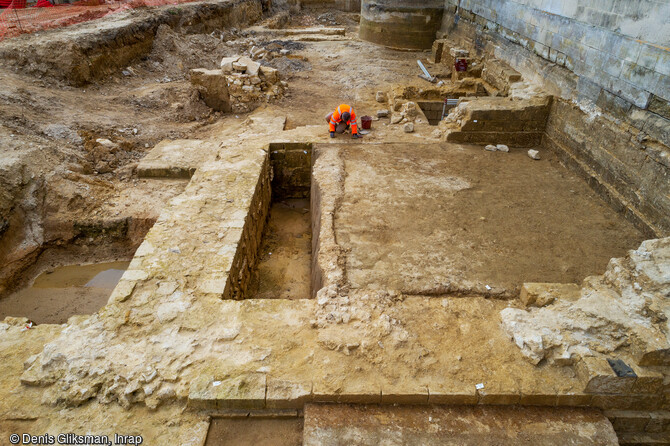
[
  {"x": 380, "y": 96},
  {"x": 396, "y": 118},
  {"x": 502, "y": 148},
  {"x": 408, "y": 127},
  {"x": 213, "y": 88},
  {"x": 624, "y": 310},
  {"x": 534, "y": 154},
  {"x": 382, "y": 113},
  {"x": 227, "y": 64},
  {"x": 490, "y": 148}
]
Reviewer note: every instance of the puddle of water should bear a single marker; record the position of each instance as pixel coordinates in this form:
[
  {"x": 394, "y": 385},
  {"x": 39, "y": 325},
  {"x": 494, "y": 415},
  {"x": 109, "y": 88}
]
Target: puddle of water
[
  {"x": 99, "y": 275},
  {"x": 68, "y": 290}
]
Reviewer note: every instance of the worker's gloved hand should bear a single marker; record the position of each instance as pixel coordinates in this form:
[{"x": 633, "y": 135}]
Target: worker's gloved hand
[
  {"x": 355, "y": 136},
  {"x": 332, "y": 134}
]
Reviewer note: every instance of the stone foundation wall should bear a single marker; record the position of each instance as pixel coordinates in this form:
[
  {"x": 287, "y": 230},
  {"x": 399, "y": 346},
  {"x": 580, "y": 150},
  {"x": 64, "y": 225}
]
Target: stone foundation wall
[
  {"x": 246, "y": 255},
  {"x": 610, "y": 68},
  {"x": 286, "y": 173},
  {"x": 291, "y": 170},
  {"x": 633, "y": 175},
  {"x": 499, "y": 120}
]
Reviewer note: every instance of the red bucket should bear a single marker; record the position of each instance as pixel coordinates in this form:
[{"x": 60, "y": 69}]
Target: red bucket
[{"x": 366, "y": 122}]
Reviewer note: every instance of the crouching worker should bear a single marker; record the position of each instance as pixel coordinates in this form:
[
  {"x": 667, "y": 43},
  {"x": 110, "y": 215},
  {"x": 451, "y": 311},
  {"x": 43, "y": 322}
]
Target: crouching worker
[{"x": 340, "y": 120}]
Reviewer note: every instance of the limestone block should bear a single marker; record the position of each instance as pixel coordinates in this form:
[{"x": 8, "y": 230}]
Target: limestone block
[
  {"x": 534, "y": 154},
  {"x": 382, "y": 113},
  {"x": 496, "y": 393},
  {"x": 628, "y": 421},
  {"x": 246, "y": 391},
  {"x": 349, "y": 391},
  {"x": 283, "y": 394},
  {"x": 252, "y": 67},
  {"x": 574, "y": 399},
  {"x": 601, "y": 378},
  {"x": 408, "y": 127},
  {"x": 490, "y": 148},
  {"x": 404, "y": 392},
  {"x": 270, "y": 74},
  {"x": 648, "y": 381},
  {"x": 239, "y": 67},
  {"x": 658, "y": 422},
  {"x": 542, "y": 294},
  {"x": 227, "y": 64},
  {"x": 213, "y": 87}
]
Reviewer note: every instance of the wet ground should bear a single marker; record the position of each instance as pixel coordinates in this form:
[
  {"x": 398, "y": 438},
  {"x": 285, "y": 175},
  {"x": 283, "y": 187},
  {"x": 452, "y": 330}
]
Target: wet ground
[{"x": 56, "y": 295}]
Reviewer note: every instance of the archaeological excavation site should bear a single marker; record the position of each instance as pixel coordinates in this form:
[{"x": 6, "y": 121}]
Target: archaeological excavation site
[{"x": 335, "y": 222}]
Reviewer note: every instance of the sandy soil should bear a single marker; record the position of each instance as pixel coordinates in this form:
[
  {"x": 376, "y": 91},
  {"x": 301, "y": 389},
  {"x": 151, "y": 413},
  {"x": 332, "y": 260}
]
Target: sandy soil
[
  {"x": 285, "y": 253},
  {"x": 255, "y": 432},
  {"x": 430, "y": 219}
]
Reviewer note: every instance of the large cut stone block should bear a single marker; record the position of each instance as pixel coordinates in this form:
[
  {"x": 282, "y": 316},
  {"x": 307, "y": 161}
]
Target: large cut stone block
[{"x": 213, "y": 87}]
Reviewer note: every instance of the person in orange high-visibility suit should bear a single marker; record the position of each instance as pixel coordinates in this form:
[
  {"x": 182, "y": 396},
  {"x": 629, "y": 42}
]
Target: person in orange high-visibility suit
[{"x": 340, "y": 120}]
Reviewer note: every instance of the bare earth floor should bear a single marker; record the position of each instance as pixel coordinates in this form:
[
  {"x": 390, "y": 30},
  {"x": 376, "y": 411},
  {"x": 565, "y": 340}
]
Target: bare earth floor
[
  {"x": 285, "y": 253},
  {"x": 436, "y": 218}
]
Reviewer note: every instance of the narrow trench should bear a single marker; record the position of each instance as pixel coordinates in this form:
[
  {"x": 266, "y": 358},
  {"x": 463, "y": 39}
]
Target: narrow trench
[{"x": 283, "y": 269}]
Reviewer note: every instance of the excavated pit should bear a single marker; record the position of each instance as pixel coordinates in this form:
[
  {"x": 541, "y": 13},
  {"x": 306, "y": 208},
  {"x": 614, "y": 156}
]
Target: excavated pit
[
  {"x": 57, "y": 294},
  {"x": 420, "y": 221},
  {"x": 276, "y": 256}
]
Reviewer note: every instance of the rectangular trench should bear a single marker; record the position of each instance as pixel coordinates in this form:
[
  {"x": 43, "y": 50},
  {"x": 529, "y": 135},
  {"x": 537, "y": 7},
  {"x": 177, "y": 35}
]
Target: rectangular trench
[{"x": 274, "y": 259}]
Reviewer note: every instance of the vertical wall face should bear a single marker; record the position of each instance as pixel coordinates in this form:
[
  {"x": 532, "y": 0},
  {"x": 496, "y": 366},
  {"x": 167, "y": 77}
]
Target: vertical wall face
[
  {"x": 610, "y": 58},
  {"x": 410, "y": 24},
  {"x": 615, "y": 45}
]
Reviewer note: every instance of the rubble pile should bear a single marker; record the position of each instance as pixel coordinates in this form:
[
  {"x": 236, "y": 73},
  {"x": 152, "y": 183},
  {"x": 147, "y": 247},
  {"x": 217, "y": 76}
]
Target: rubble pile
[{"x": 239, "y": 86}]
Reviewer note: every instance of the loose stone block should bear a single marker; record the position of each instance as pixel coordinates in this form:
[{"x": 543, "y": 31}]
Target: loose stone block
[
  {"x": 534, "y": 154},
  {"x": 602, "y": 379},
  {"x": 213, "y": 88},
  {"x": 542, "y": 294},
  {"x": 227, "y": 63},
  {"x": 122, "y": 291}
]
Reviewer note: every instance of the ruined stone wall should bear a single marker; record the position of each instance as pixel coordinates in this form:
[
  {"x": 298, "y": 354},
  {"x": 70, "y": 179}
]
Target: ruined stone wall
[
  {"x": 609, "y": 63},
  {"x": 246, "y": 255},
  {"x": 291, "y": 170}
]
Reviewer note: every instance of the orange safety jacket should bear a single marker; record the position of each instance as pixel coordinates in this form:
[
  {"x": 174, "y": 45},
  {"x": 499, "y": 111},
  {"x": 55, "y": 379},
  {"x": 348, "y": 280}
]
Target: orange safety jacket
[{"x": 337, "y": 117}]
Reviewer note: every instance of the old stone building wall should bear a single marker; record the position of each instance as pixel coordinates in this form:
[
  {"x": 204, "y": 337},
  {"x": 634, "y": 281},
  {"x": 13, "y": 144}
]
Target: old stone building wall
[{"x": 608, "y": 65}]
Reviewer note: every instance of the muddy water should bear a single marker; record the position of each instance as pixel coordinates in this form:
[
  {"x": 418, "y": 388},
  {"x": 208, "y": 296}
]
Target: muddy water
[
  {"x": 285, "y": 253},
  {"x": 66, "y": 291}
]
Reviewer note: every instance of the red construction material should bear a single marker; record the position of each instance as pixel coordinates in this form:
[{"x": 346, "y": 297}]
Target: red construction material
[{"x": 17, "y": 17}]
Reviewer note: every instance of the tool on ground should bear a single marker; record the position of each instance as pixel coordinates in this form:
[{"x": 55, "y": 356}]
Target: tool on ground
[{"x": 426, "y": 75}]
